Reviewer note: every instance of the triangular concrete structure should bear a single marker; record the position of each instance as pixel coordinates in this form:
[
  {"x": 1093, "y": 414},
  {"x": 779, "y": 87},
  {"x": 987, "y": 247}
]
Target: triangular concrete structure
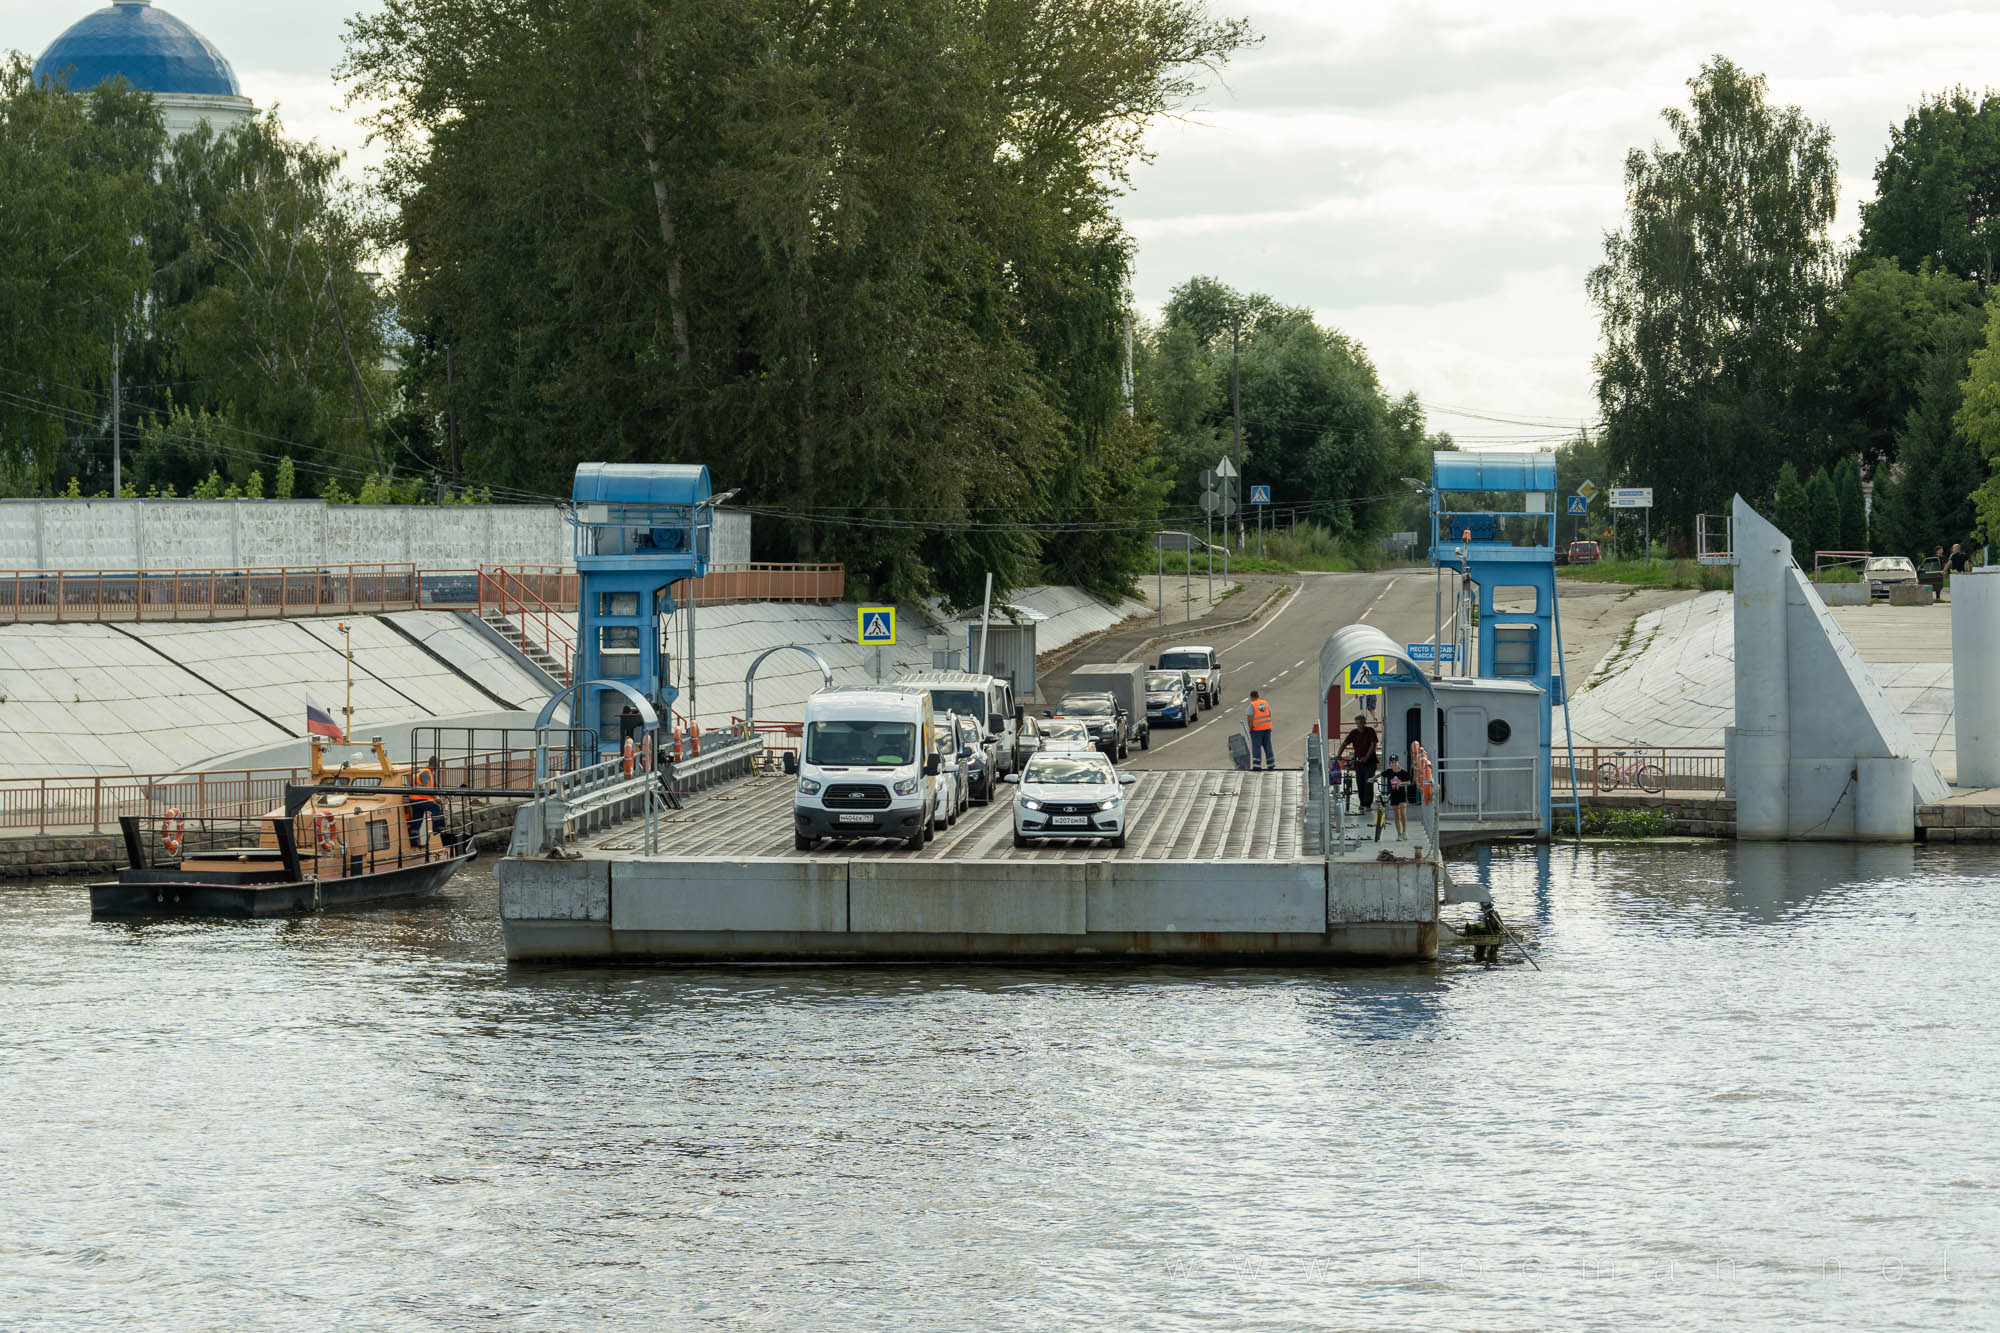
[{"x": 1819, "y": 750}]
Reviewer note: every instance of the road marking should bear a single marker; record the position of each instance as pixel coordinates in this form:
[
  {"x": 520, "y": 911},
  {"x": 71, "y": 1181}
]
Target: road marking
[
  {"x": 1270, "y": 620},
  {"x": 1378, "y": 599}
]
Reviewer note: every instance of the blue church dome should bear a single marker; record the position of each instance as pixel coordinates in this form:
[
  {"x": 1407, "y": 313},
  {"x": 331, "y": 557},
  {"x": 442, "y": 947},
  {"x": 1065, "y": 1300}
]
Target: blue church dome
[{"x": 153, "y": 50}]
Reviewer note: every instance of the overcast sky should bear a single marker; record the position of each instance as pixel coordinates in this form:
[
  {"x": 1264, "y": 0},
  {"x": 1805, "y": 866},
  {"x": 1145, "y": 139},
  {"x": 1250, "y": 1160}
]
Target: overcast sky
[{"x": 1432, "y": 176}]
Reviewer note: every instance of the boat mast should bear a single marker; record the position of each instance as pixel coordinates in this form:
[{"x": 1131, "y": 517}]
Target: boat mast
[{"x": 347, "y": 711}]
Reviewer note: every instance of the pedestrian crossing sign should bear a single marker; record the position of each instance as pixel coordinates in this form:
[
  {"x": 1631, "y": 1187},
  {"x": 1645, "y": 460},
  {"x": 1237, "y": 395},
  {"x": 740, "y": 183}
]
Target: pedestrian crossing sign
[
  {"x": 875, "y": 626},
  {"x": 1365, "y": 676}
]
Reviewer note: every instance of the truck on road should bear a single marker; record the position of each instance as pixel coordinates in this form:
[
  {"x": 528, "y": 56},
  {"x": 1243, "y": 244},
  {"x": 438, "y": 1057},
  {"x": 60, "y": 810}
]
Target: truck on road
[{"x": 1124, "y": 682}]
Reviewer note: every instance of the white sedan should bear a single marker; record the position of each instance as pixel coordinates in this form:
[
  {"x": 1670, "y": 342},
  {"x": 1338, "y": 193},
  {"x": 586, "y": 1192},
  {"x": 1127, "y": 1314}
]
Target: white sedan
[{"x": 1074, "y": 794}]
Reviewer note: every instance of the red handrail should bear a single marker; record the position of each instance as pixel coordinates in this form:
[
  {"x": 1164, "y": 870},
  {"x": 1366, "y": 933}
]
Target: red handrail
[{"x": 511, "y": 594}]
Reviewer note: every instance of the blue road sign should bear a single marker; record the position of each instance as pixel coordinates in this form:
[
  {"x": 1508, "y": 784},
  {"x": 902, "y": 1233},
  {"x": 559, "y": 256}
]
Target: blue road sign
[
  {"x": 1431, "y": 652},
  {"x": 1260, "y": 495},
  {"x": 875, "y": 625},
  {"x": 1579, "y": 504}
]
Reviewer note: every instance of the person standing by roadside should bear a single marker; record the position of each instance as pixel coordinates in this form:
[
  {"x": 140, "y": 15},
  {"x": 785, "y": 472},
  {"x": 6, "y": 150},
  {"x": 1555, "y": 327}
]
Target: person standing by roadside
[
  {"x": 1958, "y": 561},
  {"x": 1258, "y": 714},
  {"x": 1366, "y": 747}
]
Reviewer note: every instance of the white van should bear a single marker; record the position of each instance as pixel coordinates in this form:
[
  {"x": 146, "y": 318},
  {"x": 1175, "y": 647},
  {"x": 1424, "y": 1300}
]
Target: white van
[
  {"x": 868, "y": 768},
  {"x": 987, "y": 699}
]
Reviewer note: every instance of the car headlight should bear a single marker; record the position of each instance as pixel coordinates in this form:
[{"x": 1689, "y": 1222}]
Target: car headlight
[
  {"x": 1027, "y": 804},
  {"x": 907, "y": 787},
  {"x": 807, "y": 787},
  {"x": 1111, "y": 804}
]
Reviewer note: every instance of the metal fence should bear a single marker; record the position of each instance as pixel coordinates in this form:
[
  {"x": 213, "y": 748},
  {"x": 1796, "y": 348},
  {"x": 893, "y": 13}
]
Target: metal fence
[
  {"x": 1640, "y": 770},
  {"x": 95, "y": 804},
  {"x": 207, "y": 594}
]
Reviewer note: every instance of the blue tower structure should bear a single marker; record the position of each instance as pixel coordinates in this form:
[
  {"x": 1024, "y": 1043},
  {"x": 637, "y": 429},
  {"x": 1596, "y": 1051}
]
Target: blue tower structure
[
  {"x": 1493, "y": 518},
  {"x": 640, "y": 528}
]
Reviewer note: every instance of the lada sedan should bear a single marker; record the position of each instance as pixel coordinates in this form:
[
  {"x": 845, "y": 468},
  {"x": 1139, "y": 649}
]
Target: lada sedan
[{"x": 1072, "y": 795}]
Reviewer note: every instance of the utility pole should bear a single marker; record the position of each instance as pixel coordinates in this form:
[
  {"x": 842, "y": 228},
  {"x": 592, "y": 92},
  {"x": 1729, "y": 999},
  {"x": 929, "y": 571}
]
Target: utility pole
[
  {"x": 117, "y": 439},
  {"x": 1236, "y": 410},
  {"x": 451, "y": 415}
]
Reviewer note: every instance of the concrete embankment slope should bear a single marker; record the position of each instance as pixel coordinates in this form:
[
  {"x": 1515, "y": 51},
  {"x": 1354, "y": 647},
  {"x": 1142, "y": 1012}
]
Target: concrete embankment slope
[
  {"x": 1672, "y": 682},
  {"x": 79, "y": 700}
]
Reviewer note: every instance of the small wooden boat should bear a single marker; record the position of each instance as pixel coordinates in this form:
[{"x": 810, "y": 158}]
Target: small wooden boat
[{"x": 363, "y": 832}]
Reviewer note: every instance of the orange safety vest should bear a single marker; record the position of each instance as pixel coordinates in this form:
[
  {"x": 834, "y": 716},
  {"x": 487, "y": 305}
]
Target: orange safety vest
[{"x": 1260, "y": 715}]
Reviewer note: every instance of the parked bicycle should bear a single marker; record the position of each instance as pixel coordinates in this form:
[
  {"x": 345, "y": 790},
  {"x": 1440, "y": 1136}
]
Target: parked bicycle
[{"x": 1635, "y": 772}]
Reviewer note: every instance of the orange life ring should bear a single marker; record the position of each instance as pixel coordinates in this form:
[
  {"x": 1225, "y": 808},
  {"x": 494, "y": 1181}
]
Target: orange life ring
[
  {"x": 694, "y": 739},
  {"x": 171, "y": 831},
  {"x": 630, "y": 752},
  {"x": 677, "y": 745},
  {"x": 329, "y": 833},
  {"x": 1421, "y": 769}
]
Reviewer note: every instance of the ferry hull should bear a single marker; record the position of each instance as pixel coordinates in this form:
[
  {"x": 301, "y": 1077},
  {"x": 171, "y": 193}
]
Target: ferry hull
[{"x": 164, "y": 893}]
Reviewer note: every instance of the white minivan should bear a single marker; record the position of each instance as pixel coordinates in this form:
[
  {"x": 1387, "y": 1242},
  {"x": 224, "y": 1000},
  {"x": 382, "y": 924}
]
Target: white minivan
[
  {"x": 868, "y": 768},
  {"x": 987, "y": 699}
]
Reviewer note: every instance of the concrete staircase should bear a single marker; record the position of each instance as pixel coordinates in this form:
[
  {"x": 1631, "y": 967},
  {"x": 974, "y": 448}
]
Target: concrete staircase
[{"x": 519, "y": 639}]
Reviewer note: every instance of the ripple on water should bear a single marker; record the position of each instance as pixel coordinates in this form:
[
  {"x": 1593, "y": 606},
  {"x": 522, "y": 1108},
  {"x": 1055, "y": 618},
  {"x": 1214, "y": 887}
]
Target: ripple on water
[{"x": 1750, "y": 1086}]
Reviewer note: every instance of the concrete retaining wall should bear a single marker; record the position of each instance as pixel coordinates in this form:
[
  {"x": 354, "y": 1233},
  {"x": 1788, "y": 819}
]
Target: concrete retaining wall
[
  {"x": 88, "y": 535},
  {"x": 1842, "y": 594}
]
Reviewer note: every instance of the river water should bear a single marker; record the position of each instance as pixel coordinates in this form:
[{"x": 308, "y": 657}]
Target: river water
[{"x": 1751, "y": 1087}]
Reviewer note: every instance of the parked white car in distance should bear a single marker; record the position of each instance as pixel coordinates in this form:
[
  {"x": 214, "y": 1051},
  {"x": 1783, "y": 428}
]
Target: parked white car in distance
[
  {"x": 1885, "y": 572},
  {"x": 1076, "y": 794}
]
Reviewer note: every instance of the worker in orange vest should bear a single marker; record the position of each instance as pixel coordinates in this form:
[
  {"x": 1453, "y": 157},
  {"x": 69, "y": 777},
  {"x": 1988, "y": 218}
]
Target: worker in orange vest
[{"x": 1259, "y": 715}]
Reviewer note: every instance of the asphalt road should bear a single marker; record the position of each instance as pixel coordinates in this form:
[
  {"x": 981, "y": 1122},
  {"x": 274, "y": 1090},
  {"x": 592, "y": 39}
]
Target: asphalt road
[{"x": 1277, "y": 654}]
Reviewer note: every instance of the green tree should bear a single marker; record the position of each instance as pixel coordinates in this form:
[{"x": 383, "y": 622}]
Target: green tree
[
  {"x": 1791, "y": 511},
  {"x": 1710, "y": 293},
  {"x": 1869, "y": 357},
  {"x": 1823, "y": 510},
  {"x": 1937, "y": 189},
  {"x": 1851, "y": 505},
  {"x": 859, "y": 259},
  {"x": 75, "y": 186}
]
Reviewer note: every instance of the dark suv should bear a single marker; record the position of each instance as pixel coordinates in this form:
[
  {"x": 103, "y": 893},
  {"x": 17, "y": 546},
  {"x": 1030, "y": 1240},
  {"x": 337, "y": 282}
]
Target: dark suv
[{"x": 1110, "y": 725}]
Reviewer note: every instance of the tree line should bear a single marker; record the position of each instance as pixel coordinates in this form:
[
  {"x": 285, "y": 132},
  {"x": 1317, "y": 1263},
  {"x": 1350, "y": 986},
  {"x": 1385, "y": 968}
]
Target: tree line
[{"x": 1744, "y": 350}]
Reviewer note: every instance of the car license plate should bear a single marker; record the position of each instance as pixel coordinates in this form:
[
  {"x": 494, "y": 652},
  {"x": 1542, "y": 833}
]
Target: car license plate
[
  {"x": 857, "y": 819},
  {"x": 1069, "y": 821}
]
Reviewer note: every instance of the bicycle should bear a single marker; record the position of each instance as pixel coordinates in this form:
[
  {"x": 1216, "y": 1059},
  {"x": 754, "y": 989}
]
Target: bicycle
[{"x": 1647, "y": 777}]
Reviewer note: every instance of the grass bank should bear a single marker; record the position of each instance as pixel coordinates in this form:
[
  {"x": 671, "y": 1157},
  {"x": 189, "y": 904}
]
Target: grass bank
[{"x": 1662, "y": 573}]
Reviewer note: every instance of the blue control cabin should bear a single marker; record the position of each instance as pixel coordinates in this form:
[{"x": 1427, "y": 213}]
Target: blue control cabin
[
  {"x": 1493, "y": 520},
  {"x": 640, "y": 529}
]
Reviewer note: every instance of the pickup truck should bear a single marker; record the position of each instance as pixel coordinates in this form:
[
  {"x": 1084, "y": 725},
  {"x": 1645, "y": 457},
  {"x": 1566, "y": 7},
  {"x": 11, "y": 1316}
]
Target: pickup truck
[{"x": 1201, "y": 661}]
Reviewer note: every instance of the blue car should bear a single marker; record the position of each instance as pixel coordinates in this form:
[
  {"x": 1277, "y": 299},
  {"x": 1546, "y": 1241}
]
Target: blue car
[{"x": 1172, "y": 698}]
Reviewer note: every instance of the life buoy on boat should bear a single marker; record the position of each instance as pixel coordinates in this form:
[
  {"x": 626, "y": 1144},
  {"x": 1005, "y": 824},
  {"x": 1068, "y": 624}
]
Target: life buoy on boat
[
  {"x": 1420, "y": 765},
  {"x": 631, "y": 753},
  {"x": 329, "y": 833},
  {"x": 171, "y": 830},
  {"x": 677, "y": 745},
  {"x": 694, "y": 738}
]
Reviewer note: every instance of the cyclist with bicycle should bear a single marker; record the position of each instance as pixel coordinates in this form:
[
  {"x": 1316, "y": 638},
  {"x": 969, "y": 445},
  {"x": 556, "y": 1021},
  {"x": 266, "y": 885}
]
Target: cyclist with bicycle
[{"x": 1366, "y": 748}]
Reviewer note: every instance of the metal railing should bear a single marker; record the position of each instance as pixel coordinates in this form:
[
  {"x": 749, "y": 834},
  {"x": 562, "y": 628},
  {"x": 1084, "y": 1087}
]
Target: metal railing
[
  {"x": 37, "y": 596},
  {"x": 95, "y": 804},
  {"x": 1640, "y": 770},
  {"x": 1488, "y": 790},
  {"x": 517, "y": 595}
]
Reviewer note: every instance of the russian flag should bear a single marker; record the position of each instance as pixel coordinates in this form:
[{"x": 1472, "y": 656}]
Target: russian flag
[{"x": 319, "y": 722}]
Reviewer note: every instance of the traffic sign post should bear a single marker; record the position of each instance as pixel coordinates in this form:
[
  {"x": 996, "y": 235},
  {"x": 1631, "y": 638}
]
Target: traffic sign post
[
  {"x": 1637, "y": 497},
  {"x": 1432, "y": 652},
  {"x": 1260, "y": 496},
  {"x": 1579, "y": 505},
  {"x": 1365, "y": 676}
]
